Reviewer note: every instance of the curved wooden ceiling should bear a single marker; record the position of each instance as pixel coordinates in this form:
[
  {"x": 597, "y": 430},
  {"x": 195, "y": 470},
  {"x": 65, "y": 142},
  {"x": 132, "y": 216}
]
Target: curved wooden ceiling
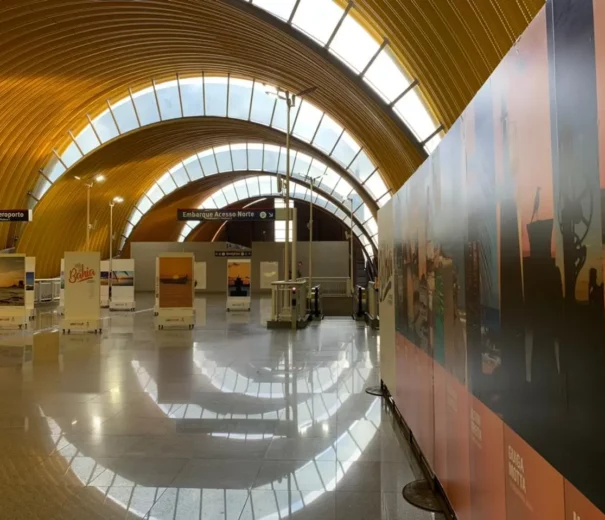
[
  {"x": 62, "y": 58},
  {"x": 450, "y": 46},
  {"x": 131, "y": 164}
]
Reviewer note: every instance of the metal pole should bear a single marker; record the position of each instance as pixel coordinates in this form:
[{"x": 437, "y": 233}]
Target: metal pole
[
  {"x": 311, "y": 239},
  {"x": 111, "y": 204},
  {"x": 88, "y": 187},
  {"x": 351, "y": 238},
  {"x": 286, "y": 245}
]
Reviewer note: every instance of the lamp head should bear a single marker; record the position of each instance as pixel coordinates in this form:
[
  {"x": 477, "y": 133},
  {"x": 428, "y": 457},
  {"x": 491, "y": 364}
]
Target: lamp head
[{"x": 99, "y": 178}]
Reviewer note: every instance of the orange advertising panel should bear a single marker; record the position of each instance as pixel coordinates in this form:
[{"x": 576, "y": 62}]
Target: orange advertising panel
[
  {"x": 578, "y": 507},
  {"x": 534, "y": 489},
  {"x": 458, "y": 447},
  {"x": 441, "y": 432},
  {"x": 176, "y": 281},
  {"x": 425, "y": 417},
  {"x": 488, "y": 496}
]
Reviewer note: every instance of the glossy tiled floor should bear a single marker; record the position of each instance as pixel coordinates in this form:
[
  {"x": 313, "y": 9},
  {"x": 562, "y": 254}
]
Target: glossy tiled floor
[{"x": 226, "y": 422}]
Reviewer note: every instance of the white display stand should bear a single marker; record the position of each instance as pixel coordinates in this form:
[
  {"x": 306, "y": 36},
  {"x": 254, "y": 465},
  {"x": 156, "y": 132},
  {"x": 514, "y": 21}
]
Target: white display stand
[
  {"x": 175, "y": 288},
  {"x": 62, "y": 290},
  {"x": 241, "y": 268},
  {"x": 200, "y": 276},
  {"x": 82, "y": 292},
  {"x": 104, "y": 284},
  {"x": 122, "y": 285},
  {"x": 14, "y": 313},
  {"x": 30, "y": 286}
]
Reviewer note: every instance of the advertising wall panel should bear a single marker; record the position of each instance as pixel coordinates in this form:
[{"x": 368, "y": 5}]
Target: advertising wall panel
[
  {"x": 386, "y": 294},
  {"x": 498, "y": 255}
]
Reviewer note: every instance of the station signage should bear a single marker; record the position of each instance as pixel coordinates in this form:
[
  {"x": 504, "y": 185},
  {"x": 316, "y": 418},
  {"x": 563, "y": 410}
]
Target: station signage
[
  {"x": 201, "y": 215},
  {"x": 15, "y": 215},
  {"x": 233, "y": 253}
]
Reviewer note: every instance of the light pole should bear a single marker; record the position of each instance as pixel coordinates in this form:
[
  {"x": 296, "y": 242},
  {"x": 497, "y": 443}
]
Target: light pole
[
  {"x": 351, "y": 246},
  {"x": 290, "y": 100},
  {"x": 98, "y": 179},
  {"x": 113, "y": 202},
  {"x": 312, "y": 181}
]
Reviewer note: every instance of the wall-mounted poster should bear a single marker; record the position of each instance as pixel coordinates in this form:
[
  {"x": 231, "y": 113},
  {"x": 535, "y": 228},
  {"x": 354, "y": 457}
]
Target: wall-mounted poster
[
  {"x": 239, "y": 273},
  {"x": 122, "y": 284},
  {"x": 269, "y": 273},
  {"x": 82, "y": 291},
  {"x": 176, "y": 280},
  {"x": 200, "y": 276},
  {"x": 105, "y": 283}
]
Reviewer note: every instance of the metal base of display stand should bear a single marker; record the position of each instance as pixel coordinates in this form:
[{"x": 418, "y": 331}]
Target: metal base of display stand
[
  {"x": 14, "y": 321},
  {"x": 300, "y": 324},
  {"x": 175, "y": 318},
  {"x": 69, "y": 325},
  {"x": 122, "y": 306},
  {"x": 238, "y": 304}
]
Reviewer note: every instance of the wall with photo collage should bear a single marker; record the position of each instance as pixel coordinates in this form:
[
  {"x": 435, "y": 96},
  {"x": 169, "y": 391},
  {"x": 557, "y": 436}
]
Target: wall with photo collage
[{"x": 498, "y": 248}]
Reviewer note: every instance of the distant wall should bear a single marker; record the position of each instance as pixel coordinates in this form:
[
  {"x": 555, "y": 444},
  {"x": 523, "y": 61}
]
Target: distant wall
[
  {"x": 329, "y": 259},
  {"x": 145, "y": 253},
  {"x": 499, "y": 244}
]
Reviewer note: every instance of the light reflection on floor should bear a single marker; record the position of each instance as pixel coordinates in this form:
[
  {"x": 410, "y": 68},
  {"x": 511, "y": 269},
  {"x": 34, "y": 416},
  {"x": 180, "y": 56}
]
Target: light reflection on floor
[{"x": 229, "y": 421}]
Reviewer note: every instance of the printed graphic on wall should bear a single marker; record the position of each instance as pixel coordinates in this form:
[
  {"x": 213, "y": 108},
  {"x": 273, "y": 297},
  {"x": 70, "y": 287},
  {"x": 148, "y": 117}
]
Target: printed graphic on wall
[
  {"x": 238, "y": 277},
  {"x": 122, "y": 279},
  {"x": 29, "y": 281},
  {"x": 175, "y": 281},
  {"x": 12, "y": 281},
  {"x": 499, "y": 258}
]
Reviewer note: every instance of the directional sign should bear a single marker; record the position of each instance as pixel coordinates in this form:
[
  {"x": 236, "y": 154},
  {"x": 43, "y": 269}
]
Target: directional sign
[
  {"x": 232, "y": 253},
  {"x": 225, "y": 214},
  {"x": 15, "y": 215}
]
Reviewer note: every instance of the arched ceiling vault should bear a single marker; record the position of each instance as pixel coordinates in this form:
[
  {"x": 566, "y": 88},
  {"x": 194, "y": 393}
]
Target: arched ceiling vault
[
  {"x": 160, "y": 224},
  {"x": 131, "y": 164},
  {"x": 61, "y": 59},
  {"x": 450, "y": 46}
]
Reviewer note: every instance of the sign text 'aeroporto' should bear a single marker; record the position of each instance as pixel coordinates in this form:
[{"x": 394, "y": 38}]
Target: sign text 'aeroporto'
[
  {"x": 15, "y": 215},
  {"x": 224, "y": 214}
]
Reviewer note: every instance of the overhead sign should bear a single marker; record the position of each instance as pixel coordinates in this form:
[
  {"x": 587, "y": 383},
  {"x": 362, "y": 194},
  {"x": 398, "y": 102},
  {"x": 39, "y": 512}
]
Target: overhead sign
[
  {"x": 225, "y": 214},
  {"x": 233, "y": 253},
  {"x": 15, "y": 215}
]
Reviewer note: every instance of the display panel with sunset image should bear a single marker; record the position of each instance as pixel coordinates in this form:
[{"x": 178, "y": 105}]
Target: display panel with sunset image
[
  {"x": 238, "y": 274},
  {"x": 176, "y": 282},
  {"x": 12, "y": 281}
]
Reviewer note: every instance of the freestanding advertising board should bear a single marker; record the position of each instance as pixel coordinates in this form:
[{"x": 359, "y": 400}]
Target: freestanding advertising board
[
  {"x": 13, "y": 311},
  {"x": 122, "y": 285},
  {"x": 175, "y": 275},
  {"x": 105, "y": 283},
  {"x": 239, "y": 273},
  {"x": 62, "y": 290},
  {"x": 82, "y": 292},
  {"x": 30, "y": 287}
]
